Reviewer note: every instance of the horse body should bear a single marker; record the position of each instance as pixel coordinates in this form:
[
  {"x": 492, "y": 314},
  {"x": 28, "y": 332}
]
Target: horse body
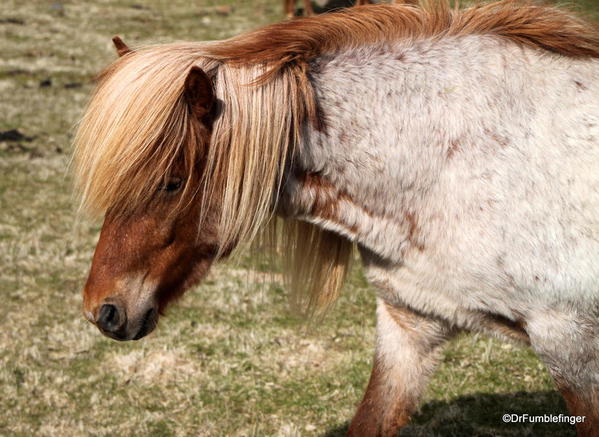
[
  {"x": 466, "y": 172},
  {"x": 461, "y": 161},
  {"x": 476, "y": 180}
]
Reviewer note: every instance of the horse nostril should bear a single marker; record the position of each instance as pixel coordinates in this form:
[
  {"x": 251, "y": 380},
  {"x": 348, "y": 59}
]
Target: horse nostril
[{"x": 110, "y": 318}]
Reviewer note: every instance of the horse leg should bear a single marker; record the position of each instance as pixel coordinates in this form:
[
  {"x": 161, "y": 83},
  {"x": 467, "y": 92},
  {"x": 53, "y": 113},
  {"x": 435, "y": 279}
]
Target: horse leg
[
  {"x": 308, "y": 9},
  {"x": 289, "y": 6},
  {"x": 569, "y": 346},
  {"x": 582, "y": 402},
  {"x": 406, "y": 354}
]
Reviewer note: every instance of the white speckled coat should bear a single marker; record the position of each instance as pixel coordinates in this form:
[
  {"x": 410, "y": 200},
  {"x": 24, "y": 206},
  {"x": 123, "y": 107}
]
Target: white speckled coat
[{"x": 469, "y": 169}]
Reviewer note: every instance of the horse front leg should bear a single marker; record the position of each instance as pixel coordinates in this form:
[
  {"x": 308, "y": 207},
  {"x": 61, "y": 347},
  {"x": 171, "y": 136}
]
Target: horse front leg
[
  {"x": 569, "y": 345},
  {"x": 289, "y": 6},
  {"x": 406, "y": 354},
  {"x": 582, "y": 402},
  {"x": 308, "y": 9}
]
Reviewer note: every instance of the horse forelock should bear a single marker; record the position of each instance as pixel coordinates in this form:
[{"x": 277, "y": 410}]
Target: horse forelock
[{"x": 136, "y": 129}]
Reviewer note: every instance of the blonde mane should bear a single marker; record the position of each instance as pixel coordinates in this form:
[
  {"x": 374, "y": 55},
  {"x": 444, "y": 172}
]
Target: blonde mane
[{"x": 137, "y": 124}]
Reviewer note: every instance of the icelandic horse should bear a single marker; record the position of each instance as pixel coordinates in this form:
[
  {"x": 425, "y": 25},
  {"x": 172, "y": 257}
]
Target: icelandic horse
[{"x": 468, "y": 180}]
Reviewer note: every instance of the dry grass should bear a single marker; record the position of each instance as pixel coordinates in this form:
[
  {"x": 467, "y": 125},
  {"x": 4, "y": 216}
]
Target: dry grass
[{"x": 230, "y": 359}]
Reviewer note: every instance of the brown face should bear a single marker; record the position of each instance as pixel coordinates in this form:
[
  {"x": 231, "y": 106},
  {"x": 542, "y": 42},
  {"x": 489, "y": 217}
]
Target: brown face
[
  {"x": 146, "y": 258},
  {"x": 143, "y": 261}
]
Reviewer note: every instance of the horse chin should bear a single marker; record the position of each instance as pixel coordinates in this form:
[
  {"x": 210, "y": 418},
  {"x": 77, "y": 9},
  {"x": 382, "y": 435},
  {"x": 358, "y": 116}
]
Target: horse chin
[{"x": 148, "y": 323}]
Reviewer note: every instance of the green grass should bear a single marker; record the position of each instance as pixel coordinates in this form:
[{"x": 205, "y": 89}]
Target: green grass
[{"x": 230, "y": 358}]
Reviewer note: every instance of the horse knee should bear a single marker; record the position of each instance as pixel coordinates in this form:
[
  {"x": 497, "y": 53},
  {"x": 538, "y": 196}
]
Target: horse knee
[{"x": 406, "y": 355}]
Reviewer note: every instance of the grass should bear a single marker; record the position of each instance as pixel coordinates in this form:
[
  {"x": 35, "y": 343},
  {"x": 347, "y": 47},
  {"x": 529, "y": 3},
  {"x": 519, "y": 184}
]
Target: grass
[{"x": 230, "y": 359}]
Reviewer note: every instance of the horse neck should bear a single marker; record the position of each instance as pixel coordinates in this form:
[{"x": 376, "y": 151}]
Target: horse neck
[{"x": 398, "y": 118}]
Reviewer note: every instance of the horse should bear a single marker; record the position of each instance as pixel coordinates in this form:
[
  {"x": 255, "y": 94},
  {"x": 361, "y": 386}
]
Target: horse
[{"x": 467, "y": 181}]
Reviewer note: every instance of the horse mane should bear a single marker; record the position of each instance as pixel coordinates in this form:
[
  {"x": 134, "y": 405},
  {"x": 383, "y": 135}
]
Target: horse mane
[
  {"x": 137, "y": 126},
  {"x": 521, "y": 21}
]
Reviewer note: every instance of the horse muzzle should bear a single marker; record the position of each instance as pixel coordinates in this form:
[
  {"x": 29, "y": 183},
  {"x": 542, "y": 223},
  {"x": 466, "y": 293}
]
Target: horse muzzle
[{"x": 112, "y": 319}]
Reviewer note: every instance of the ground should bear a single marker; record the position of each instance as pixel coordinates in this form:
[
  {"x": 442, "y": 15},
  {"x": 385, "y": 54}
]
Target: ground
[{"x": 230, "y": 358}]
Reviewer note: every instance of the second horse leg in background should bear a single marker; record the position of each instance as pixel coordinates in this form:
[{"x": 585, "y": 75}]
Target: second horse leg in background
[{"x": 289, "y": 7}]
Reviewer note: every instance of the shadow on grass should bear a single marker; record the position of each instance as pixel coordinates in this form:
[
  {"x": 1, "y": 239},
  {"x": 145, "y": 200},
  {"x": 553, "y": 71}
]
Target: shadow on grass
[{"x": 480, "y": 415}]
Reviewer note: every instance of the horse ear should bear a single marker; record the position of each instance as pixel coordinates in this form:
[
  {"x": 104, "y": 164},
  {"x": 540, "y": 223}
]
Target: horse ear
[
  {"x": 199, "y": 92},
  {"x": 121, "y": 47}
]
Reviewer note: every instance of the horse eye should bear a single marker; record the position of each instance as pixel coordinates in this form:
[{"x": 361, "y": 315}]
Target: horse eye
[{"x": 172, "y": 185}]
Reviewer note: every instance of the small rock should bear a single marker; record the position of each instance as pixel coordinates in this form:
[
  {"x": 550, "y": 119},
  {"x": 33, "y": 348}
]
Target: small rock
[
  {"x": 14, "y": 135},
  {"x": 73, "y": 85},
  {"x": 45, "y": 83}
]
